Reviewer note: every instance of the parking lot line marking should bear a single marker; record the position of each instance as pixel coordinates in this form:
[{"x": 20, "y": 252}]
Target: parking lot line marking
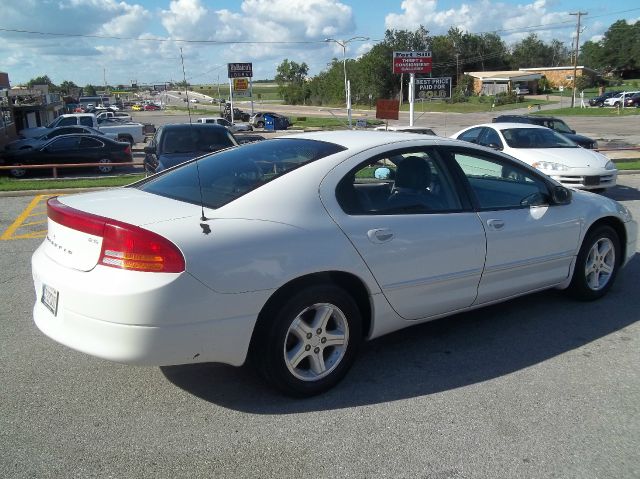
[
  {"x": 34, "y": 222},
  {"x": 9, "y": 234}
]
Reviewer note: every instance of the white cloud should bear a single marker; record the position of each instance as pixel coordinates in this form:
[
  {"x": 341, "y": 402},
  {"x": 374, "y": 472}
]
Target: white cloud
[{"x": 481, "y": 16}]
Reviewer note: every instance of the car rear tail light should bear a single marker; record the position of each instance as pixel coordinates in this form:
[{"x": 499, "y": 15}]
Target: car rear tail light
[
  {"x": 124, "y": 246},
  {"x": 127, "y": 150}
]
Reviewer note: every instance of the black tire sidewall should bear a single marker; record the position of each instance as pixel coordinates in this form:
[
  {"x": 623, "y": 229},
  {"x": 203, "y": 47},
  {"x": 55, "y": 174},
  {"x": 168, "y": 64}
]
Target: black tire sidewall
[
  {"x": 107, "y": 163},
  {"x": 579, "y": 287},
  {"x": 269, "y": 347}
]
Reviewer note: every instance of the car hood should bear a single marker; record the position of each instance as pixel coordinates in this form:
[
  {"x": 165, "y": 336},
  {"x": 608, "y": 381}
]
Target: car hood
[
  {"x": 16, "y": 145},
  {"x": 34, "y": 132},
  {"x": 571, "y": 157},
  {"x": 579, "y": 139}
]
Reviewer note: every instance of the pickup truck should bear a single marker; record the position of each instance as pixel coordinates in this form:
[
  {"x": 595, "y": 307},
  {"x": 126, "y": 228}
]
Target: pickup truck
[
  {"x": 124, "y": 131},
  {"x": 118, "y": 115}
]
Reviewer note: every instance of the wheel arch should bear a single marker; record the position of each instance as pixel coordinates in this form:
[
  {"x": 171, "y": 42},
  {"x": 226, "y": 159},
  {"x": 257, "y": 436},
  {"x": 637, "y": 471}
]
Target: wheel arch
[
  {"x": 618, "y": 226},
  {"x": 351, "y": 283}
]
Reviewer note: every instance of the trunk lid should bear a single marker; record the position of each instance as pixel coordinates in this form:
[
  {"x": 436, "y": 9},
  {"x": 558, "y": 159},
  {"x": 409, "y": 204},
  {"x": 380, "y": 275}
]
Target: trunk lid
[{"x": 78, "y": 245}]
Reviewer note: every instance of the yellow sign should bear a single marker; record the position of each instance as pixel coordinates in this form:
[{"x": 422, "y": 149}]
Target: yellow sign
[{"x": 240, "y": 84}]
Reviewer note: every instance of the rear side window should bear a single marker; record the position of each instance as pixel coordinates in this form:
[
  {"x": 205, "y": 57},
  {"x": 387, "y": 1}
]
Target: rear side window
[{"x": 230, "y": 174}]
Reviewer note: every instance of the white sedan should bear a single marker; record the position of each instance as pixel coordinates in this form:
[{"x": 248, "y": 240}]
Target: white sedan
[
  {"x": 548, "y": 151},
  {"x": 292, "y": 251}
]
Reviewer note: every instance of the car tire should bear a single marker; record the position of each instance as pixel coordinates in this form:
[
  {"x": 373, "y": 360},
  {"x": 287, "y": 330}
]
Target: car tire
[
  {"x": 105, "y": 167},
  {"x": 18, "y": 172},
  {"x": 597, "y": 264},
  {"x": 289, "y": 346}
]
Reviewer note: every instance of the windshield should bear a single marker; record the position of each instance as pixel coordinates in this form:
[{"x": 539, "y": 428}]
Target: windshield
[
  {"x": 230, "y": 174},
  {"x": 559, "y": 126},
  {"x": 536, "y": 138}
]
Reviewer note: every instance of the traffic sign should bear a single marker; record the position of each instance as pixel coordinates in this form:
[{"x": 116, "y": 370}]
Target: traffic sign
[{"x": 240, "y": 84}]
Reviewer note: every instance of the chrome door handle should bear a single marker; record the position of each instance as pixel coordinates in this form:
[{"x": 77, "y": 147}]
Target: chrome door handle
[
  {"x": 495, "y": 224},
  {"x": 380, "y": 235}
]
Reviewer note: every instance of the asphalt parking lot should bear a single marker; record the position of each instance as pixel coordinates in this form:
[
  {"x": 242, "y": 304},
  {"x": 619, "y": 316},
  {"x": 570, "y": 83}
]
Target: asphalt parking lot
[{"x": 538, "y": 387}]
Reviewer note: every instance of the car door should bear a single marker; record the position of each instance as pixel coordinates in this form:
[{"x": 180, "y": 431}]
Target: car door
[
  {"x": 425, "y": 251},
  {"x": 63, "y": 149},
  {"x": 530, "y": 242}
]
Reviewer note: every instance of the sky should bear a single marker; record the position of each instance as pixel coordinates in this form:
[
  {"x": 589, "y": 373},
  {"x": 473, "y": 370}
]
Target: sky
[{"x": 125, "y": 41}]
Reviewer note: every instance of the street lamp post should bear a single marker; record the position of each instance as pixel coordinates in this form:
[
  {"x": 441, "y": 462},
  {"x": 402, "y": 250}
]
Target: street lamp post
[{"x": 343, "y": 44}]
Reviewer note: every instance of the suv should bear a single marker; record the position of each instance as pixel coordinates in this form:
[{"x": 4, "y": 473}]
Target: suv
[
  {"x": 177, "y": 143},
  {"x": 555, "y": 124}
]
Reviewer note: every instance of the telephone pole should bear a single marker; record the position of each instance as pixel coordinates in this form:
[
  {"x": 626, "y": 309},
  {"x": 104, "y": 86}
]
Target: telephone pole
[{"x": 575, "y": 57}]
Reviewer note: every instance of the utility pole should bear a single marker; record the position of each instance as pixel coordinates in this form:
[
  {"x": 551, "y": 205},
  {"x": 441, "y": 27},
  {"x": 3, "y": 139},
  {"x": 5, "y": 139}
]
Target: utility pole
[{"x": 575, "y": 58}]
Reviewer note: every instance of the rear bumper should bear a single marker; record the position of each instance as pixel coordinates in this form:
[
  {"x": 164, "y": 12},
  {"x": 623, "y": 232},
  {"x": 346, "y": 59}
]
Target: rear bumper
[{"x": 150, "y": 319}]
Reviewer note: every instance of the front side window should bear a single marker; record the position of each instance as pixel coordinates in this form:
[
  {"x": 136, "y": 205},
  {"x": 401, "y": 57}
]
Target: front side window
[
  {"x": 498, "y": 183},
  {"x": 491, "y": 138},
  {"x": 406, "y": 182},
  {"x": 86, "y": 142},
  {"x": 86, "y": 120},
  {"x": 70, "y": 120},
  {"x": 230, "y": 174}
]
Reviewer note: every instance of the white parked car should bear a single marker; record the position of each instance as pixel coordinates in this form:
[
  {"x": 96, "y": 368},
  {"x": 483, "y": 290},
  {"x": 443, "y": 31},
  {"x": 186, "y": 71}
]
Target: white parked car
[
  {"x": 617, "y": 100},
  {"x": 548, "y": 151},
  {"x": 232, "y": 127},
  {"x": 293, "y": 250}
]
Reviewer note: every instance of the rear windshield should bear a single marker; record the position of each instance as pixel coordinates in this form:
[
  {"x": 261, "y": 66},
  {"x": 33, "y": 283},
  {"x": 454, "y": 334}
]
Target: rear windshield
[
  {"x": 187, "y": 140},
  {"x": 536, "y": 138},
  {"x": 230, "y": 174}
]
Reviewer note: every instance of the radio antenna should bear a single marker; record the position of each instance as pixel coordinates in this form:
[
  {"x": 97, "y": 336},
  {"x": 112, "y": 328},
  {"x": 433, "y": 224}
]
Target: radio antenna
[{"x": 205, "y": 227}]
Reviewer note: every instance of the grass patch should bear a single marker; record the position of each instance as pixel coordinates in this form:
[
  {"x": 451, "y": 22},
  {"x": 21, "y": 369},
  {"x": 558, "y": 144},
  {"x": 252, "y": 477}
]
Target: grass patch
[
  {"x": 326, "y": 122},
  {"x": 11, "y": 184},
  {"x": 633, "y": 164},
  {"x": 610, "y": 112},
  {"x": 474, "y": 105}
]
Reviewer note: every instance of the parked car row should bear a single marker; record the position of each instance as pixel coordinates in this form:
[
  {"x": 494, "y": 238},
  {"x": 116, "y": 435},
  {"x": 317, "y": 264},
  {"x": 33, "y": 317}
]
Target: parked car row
[{"x": 616, "y": 98}]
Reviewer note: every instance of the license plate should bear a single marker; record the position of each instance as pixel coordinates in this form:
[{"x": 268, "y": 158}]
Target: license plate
[
  {"x": 50, "y": 298},
  {"x": 591, "y": 180}
]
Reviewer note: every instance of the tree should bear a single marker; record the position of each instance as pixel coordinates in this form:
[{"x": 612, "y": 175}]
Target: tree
[
  {"x": 89, "y": 90},
  {"x": 41, "y": 80},
  {"x": 66, "y": 86},
  {"x": 291, "y": 80},
  {"x": 531, "y": 52}
]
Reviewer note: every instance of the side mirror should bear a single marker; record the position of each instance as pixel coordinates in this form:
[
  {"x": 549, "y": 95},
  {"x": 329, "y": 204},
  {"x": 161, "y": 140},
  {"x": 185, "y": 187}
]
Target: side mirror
[
  {"x": 149, "y": 149},
  {"x": 573, "y": 131},
  {"x": 561, "y": 195},
  {"x": 494, "y": 146},
  {"x": 382, "y": 173}
]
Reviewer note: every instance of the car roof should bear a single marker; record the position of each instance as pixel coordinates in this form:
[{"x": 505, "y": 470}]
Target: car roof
[
  {"x": 529, "y": 117},
  {"x": 507, "y": 125},
  {"x": 362, "y": 140},
  {"x": 186, "y": 126}
]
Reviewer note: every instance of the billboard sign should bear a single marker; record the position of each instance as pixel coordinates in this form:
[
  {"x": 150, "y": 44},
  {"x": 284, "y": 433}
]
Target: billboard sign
[
  {"x": 433, "y": 88},
  {"x": 412, "y": 62},
  {"x": 387, "y": 109},
  {"x": 240, "y": 84},
  {"x": 240, "y": 70}
]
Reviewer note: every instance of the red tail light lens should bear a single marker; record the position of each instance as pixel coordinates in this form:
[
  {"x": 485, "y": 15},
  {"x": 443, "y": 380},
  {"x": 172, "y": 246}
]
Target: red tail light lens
[
  {"x": 127, "y": 150},
  {"x": 124, "y": 246}
]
